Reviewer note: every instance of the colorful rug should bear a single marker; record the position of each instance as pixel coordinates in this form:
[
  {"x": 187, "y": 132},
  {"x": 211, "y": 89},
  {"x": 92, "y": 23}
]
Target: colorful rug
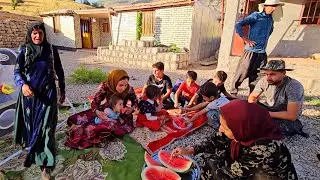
[{"x": 120, "y": 159}]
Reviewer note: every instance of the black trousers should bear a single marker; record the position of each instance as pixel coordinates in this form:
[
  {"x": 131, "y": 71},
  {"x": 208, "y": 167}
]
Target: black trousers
[{"x": 248, "y": 67}]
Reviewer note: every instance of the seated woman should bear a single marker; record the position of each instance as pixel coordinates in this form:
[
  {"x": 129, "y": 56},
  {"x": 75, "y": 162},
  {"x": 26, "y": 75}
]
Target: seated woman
[
  {"x": 250, "y": 147},
  {"x": 86, "y": 132},
  {"x": 150, "y": 113}
]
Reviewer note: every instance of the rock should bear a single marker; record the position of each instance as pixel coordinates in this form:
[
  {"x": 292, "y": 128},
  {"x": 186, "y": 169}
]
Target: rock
[{"x": 315, "y": 56}]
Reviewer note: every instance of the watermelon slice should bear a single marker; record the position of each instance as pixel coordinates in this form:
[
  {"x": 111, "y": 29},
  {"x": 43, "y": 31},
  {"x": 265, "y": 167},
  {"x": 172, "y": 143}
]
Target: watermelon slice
[
  {"x": 150, "y": 161},
  {"x": 177, "y": 164},
  {"x": 159, "y": 173}
]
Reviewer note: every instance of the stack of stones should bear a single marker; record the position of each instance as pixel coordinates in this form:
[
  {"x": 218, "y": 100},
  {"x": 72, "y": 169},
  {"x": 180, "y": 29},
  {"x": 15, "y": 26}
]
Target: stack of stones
[{"x": 142, "y": 54}]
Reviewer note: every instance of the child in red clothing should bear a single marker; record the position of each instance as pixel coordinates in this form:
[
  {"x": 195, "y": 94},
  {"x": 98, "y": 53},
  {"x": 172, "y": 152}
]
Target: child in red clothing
[
  {"x": 150, "y": 113},
  {"x": 186, "y": 90}
]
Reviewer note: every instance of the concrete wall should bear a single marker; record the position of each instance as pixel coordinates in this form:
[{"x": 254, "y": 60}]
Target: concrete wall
[
  {"x": 206, "y": 32},
  {"x": 67, "y": 37},
  {"x": 105, "y": 38},
  {"x": 124, "y": 27},
  {"x": 174, "y": 25},
  {"x": 290, "y": 39},
  {"x": 12, "y": 33}
]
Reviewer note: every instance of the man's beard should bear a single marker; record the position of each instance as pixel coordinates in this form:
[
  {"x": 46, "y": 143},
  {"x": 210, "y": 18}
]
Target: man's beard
[{"x": 274, "y": 82}]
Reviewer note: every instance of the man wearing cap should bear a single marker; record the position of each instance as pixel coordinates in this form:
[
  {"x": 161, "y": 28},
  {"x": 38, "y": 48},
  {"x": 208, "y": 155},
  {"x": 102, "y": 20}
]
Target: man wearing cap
[
  {"x": 284, "y": 97},
  {"x": 254, "y": 56}
]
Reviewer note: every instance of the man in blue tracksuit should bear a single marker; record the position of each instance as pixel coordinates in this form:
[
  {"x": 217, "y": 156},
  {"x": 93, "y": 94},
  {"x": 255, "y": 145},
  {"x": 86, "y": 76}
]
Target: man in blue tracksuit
[{"x": 254, "y": 55}]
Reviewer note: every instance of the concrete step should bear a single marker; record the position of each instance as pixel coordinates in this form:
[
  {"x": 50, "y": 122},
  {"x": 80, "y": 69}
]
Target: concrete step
[
  {"x": 148, "y": 50},
  {"x": 136, "y": 43}
]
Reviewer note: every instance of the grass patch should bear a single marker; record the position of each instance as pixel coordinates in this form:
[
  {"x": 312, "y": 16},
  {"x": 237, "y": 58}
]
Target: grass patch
[
  {"x": 312, "y": 101},
  {"x": 85, "y": 75}
]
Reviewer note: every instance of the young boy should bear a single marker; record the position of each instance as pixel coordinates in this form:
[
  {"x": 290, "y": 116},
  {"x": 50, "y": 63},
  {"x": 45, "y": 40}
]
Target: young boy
[
  {"x": 186, "y": 90},
  {"x": 163, "y": 82},
  {"x": 213, "y": 102},
  {"x": 218, "y": 79}
]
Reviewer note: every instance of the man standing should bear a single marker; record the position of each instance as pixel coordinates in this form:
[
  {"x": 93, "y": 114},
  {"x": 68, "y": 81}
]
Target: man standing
[
  {"x": 254, "y": 55},
  {"x": 284, "y": 97}
]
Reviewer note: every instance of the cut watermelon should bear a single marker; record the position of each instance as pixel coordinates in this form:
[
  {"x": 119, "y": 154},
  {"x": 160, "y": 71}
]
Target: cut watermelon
[
  {"x": 149, "y": 161},
  {"x": 159, "y": 173},
  {"x": 177, "y": 164}
]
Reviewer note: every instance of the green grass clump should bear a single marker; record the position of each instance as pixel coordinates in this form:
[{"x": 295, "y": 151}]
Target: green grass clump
[{"x": 83, "y": 75}]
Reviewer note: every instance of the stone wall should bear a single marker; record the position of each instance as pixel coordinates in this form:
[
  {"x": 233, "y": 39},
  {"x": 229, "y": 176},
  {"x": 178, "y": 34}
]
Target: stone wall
[
  {"x": 12, "y": 33},
  {"x": 141, "y": 54},
  {"x": 124, "y": 27},
  {"x": 77, "y": 31},
  {"x": 65, "y": 38},
  {"x": 105, "y": 38},
  {"x": 95, "y": 33},
  {"x": 174, "y": 25}
]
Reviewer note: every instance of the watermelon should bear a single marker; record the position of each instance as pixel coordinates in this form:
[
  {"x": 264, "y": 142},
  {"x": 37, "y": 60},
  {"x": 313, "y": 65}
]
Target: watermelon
[
  {"x": 177, "y": 164},
  {"x": 159, "y": 173},
  {"x": 150, "y": 161}
]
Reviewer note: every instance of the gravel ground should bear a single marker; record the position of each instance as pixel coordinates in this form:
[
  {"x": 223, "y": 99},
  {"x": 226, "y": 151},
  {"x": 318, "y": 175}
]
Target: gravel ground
[{"x": 303, "y": 150}]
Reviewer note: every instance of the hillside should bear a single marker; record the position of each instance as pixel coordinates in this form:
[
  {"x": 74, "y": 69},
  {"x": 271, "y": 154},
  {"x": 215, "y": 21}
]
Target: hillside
[{"x": 34, "y": 7}]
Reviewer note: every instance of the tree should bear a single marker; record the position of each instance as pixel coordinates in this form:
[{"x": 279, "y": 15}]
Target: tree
[
  {"x": 14, "y": 4},
  {"x": 86, "y": 2},
  {"x": 96, "y": 5}
]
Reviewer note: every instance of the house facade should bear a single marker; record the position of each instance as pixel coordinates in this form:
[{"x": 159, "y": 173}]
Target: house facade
[
  {"x": 74, "y": 29},
  {"x": 295, "y": 35},
  {"x": 188, "y": 24}
]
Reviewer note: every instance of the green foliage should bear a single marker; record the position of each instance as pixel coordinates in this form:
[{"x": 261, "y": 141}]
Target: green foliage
[
  {"x": 14, "y": 4},
  {"x": 174, "y": 48},
  {"x": 157, "y": 43},
  {"x": 86, "y": 2},
  {"x": 96, "y": 5},
  {"x": 84, "y": 75},
  {"x": 312, "y": 101},
  {"x": 139, "y": 25}
]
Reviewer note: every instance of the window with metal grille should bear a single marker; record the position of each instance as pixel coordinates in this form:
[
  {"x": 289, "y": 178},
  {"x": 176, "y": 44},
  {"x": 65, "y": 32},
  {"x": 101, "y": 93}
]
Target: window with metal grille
[
  {"x": 106, "y": 27},
  {"x": 148, "y": 23},
  {"x": 310, "y": 12},
  {"x": 56, "y": 24}
]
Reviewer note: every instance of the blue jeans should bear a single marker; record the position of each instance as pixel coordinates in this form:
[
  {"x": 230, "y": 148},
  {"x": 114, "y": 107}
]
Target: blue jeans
[
  {"x": 181, "y": 100},
  {"x": 214, "y": 118}
]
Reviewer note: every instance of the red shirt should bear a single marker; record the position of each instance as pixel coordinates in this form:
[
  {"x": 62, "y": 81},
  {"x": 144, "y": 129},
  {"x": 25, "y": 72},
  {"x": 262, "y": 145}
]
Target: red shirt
[{"x": 188, "y": 91}]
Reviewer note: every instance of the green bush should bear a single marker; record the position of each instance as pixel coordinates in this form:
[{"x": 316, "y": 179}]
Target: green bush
[
  {"x": 174, "y": 48},
  {"x": 139, "y": 25},
  {"x": 84, "y": 75}
]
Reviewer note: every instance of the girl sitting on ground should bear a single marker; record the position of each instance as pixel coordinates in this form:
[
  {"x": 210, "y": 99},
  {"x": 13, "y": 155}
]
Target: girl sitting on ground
[
  {"x": 150, "y": 114},
  {"x": 186, "y": 90},
  {"x": 113, "y": 110},
  {"x": 213, "y": 102}
]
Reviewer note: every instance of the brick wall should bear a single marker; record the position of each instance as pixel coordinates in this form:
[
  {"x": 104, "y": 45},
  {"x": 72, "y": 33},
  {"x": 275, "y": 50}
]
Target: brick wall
[
  {"x": 95, "y": 33},
  {"x": 12, "y": 33},
  {"x": 77, "y": 31},
  {"x": 124, "y": 27},
  {"x": 173, "y": 25}
]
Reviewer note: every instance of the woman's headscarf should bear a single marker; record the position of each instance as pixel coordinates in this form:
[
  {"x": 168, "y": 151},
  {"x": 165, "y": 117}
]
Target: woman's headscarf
[
  {"x": 113, "y": 78},
  {"x": 249, "y": 122},
  {"x": 35, "y": 51}
]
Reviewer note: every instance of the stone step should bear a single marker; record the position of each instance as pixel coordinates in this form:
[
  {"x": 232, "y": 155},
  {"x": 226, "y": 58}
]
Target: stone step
[
  {"x": 136, "y": 43},
  {"x": 148, "y": 50}
]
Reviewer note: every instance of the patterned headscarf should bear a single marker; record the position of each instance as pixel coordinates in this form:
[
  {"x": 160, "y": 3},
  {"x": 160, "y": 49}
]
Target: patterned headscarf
[
  {"x": 113, "y": 79},
  {"x": 249, "y": 122},
  {"x": 35, "y": 51}
]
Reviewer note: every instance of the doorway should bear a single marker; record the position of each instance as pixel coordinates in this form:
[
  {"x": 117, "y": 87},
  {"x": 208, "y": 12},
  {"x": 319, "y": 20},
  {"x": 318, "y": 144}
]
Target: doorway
[{"x": 86, "y": 33}]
